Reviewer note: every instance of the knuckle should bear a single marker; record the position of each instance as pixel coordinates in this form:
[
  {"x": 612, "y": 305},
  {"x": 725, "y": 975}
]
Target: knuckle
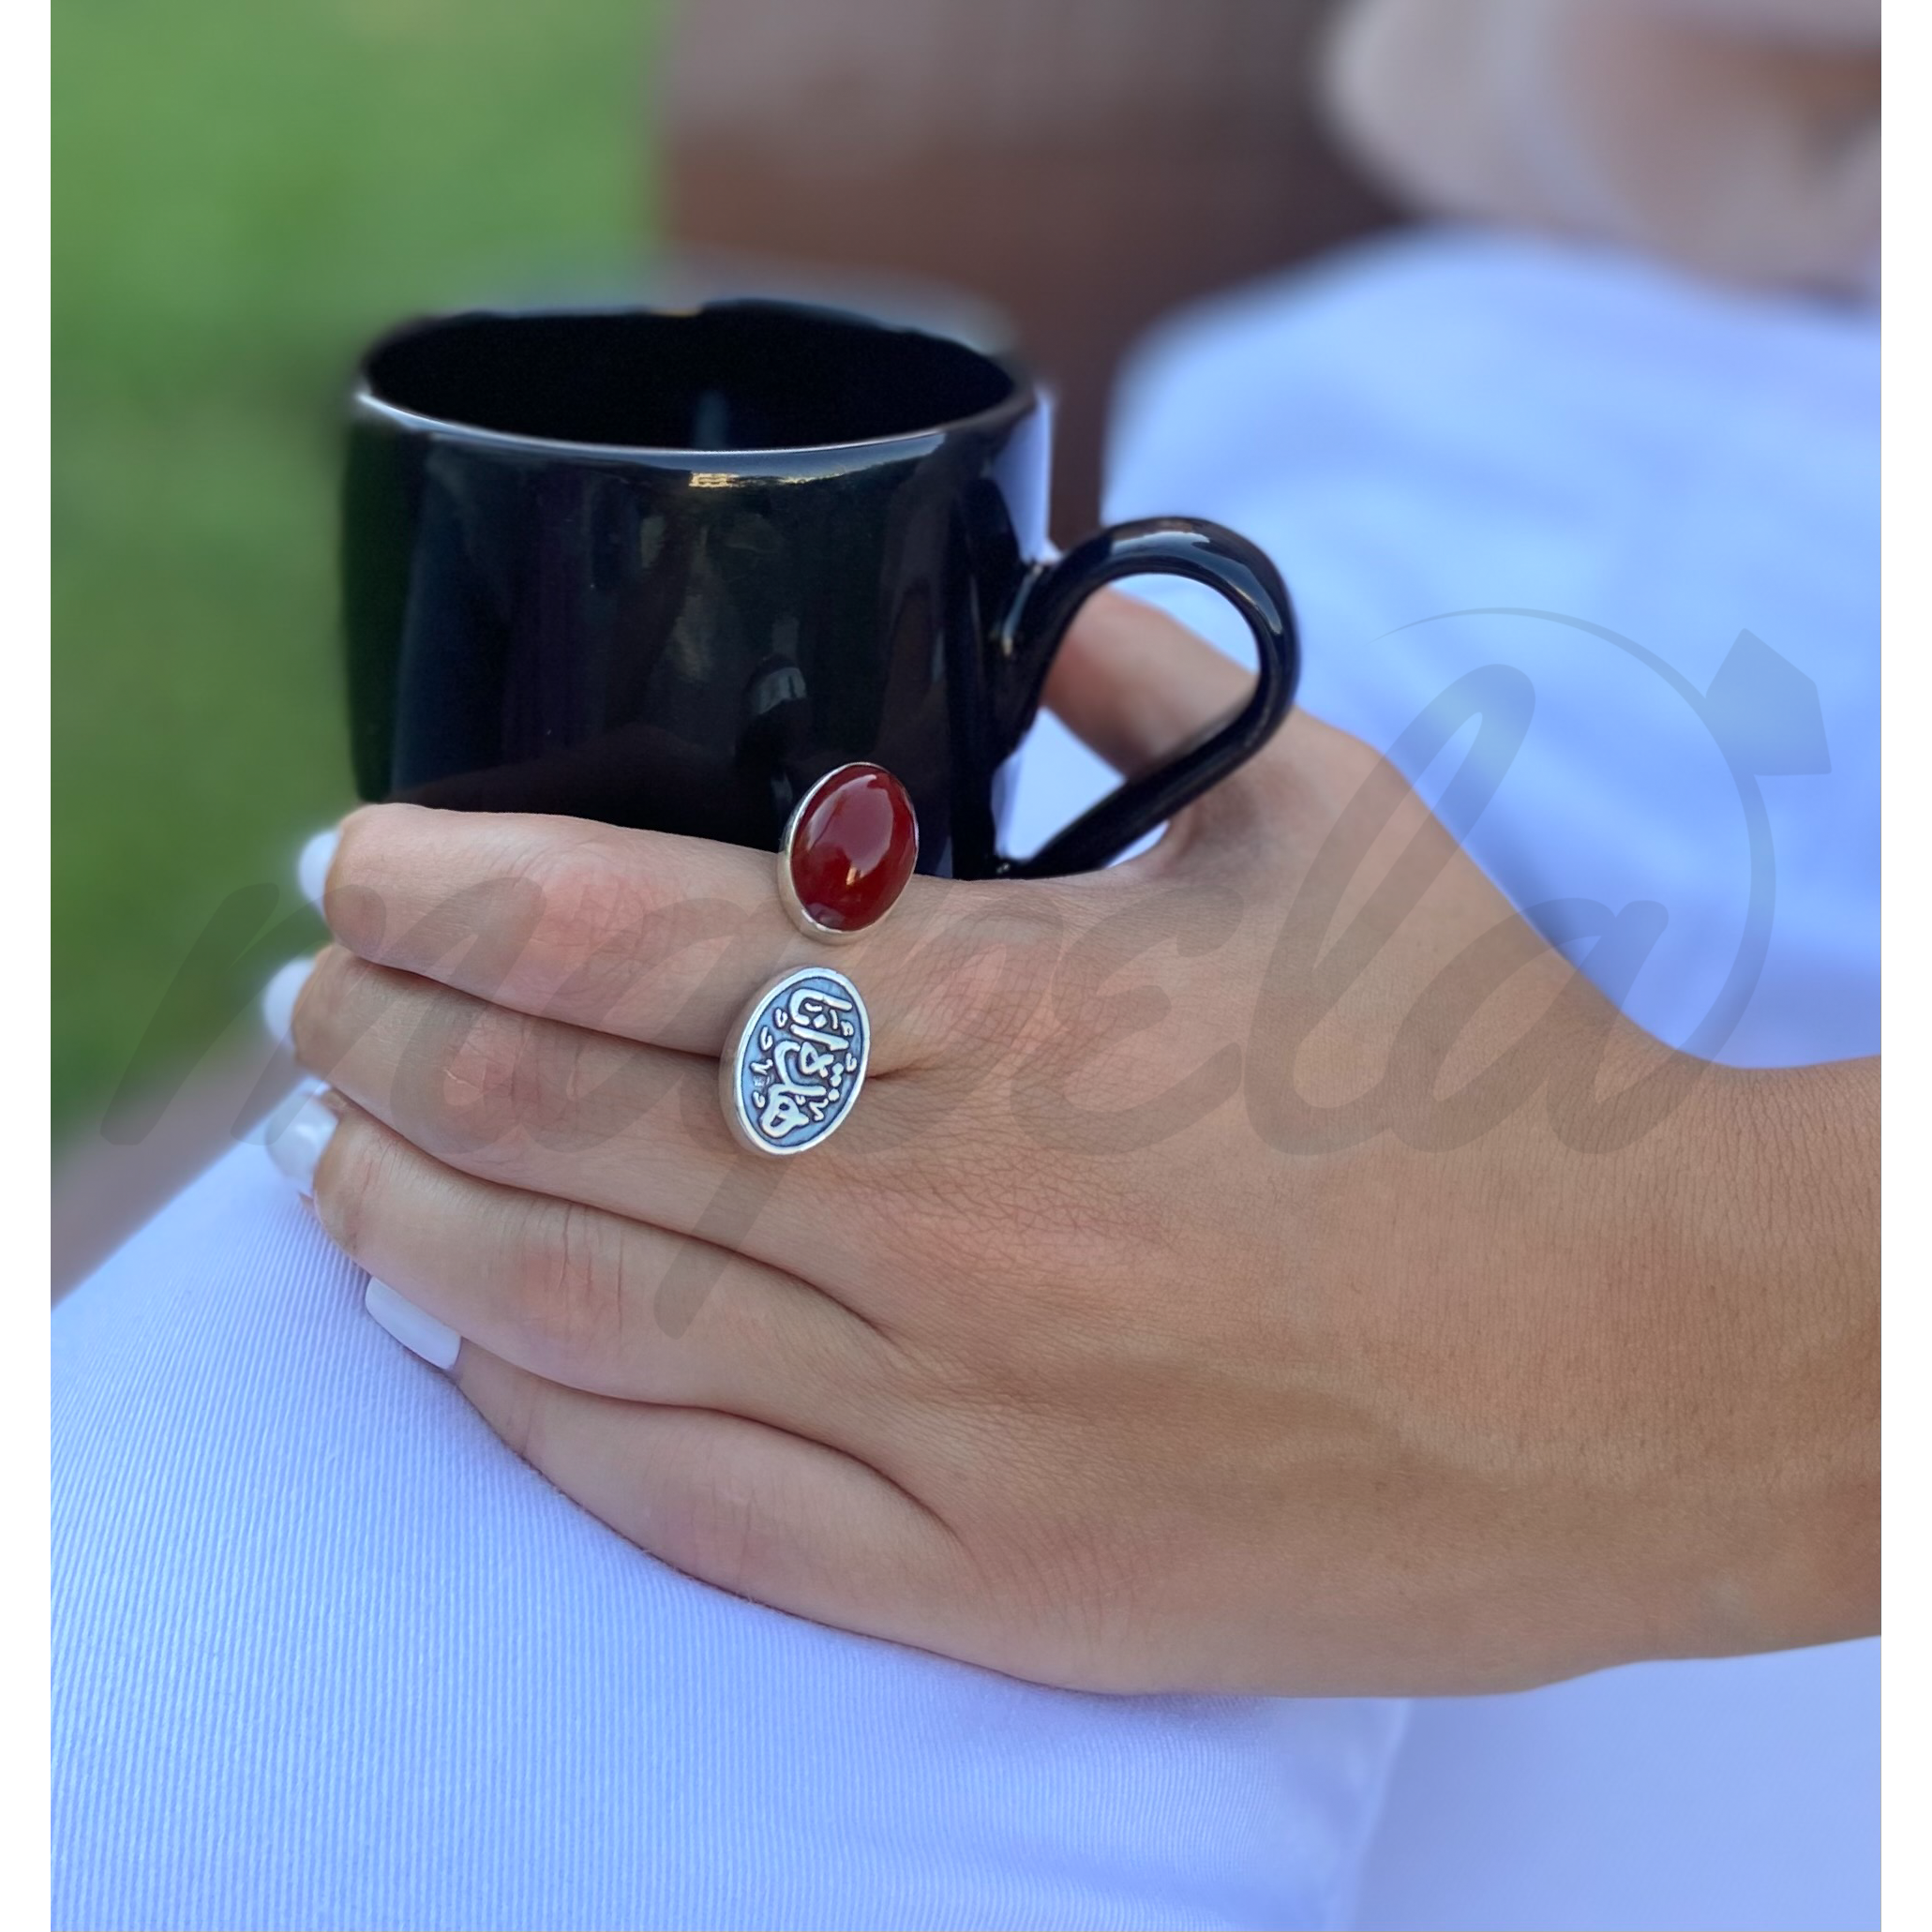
[
  {"x": 486, "y": 1056},
  {"x": 568, "y": 1282},
  {"x": 353, "y": 902},
  {"x": 318, "y": 1027},
  {"x": 590, "y": 906},
  {"x": 496, "y": 1078},
  {"x": 461, "y": 1086},
  {"x": 352, "y": 1184}
]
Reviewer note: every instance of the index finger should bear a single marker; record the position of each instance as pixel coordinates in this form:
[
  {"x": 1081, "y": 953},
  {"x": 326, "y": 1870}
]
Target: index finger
[{"x": 651, "y": 935}]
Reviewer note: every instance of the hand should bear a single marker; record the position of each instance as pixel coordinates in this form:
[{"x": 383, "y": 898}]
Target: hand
[{"x": 1151, "y": 1324}]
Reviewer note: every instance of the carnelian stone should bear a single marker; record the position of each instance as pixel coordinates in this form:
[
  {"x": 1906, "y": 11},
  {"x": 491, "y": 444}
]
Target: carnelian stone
[{"x": 853, "y": 849}]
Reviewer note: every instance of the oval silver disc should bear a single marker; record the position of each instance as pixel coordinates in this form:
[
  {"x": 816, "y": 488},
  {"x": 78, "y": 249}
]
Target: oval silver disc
[{"x": 794, "y": 1064}]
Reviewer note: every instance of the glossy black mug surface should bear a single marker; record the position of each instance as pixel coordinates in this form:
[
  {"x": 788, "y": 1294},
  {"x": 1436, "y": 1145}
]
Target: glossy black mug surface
[{"x": 669, "y": 569}]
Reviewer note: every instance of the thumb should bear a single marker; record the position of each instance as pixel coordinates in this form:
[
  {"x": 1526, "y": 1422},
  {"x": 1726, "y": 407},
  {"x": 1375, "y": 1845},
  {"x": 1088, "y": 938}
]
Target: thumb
[{"x": 1133, "y": 685}]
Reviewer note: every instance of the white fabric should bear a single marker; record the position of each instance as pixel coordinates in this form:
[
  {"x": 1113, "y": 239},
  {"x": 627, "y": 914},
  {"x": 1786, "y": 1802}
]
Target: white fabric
[
  {"x": 327, "y": 1654},
  {"x": 1679, "y": 1797}
]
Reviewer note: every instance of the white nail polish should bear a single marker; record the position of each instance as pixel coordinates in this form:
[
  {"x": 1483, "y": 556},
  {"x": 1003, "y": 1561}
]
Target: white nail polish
[
  {"x": 295, "y": 1135},
  {"x": 279, "y": 996},
  {"x": 313, "y": 868},
  {"x": 436, "y": 1341}
]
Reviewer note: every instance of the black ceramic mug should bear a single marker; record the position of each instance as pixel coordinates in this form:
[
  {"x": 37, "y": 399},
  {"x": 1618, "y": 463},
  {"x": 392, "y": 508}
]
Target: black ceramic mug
[{"x": 667, "y": 570}]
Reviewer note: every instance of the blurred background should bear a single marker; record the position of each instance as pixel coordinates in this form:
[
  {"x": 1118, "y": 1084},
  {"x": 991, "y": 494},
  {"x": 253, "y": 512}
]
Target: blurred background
[{"x": 244, "y": 194}]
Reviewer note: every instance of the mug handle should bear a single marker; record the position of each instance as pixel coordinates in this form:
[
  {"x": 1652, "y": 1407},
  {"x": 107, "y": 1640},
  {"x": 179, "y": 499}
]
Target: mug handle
[{"x": 1167, "y": 546}]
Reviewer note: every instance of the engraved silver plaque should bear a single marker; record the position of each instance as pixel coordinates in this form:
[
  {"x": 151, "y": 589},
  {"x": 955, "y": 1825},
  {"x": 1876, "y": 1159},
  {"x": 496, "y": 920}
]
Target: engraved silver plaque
[{"x": 793, "y": 1065}]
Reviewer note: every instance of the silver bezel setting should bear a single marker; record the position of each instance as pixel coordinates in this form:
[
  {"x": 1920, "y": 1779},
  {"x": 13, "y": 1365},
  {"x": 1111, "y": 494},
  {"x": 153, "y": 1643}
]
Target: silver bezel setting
[{"x": 787, "y": 893}]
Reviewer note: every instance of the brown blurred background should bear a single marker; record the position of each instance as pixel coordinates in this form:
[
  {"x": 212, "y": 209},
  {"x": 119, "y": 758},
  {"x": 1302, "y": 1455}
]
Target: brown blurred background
[{"x": 1084, "y": 164}]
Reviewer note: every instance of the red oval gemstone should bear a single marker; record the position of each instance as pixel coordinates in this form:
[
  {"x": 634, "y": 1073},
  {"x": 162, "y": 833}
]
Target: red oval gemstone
[{"x": 853, "y": 849}]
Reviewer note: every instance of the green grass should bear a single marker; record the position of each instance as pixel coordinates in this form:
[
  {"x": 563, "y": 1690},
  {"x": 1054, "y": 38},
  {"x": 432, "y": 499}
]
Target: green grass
[{"x": 244, "y": 193}]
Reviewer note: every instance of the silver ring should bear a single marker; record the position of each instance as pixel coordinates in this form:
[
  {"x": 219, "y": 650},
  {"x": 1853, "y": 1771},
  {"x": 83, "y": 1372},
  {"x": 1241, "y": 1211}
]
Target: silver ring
[{"x": 794, "y": 1062}]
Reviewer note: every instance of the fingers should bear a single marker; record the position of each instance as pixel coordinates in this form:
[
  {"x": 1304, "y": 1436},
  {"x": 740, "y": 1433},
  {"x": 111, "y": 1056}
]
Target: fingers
[
  {"x": 636, "y": 1130},
  {"x": 736, "y": 1503},
  {"x": 663, "y": 939},
  {"x": 591, "y": 1299},
  {"x": 1132, "y": 684},
  {"x": 538, "y": 1106},
  {"x": 644, "y": 935}
]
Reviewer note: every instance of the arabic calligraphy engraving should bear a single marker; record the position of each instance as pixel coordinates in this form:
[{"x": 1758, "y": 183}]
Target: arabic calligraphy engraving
[{"x": 801, "y": 1060}]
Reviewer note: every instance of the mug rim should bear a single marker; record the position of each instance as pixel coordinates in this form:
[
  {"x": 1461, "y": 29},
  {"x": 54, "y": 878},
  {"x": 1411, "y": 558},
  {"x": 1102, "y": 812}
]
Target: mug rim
[{"x": 1022, "y": 397}]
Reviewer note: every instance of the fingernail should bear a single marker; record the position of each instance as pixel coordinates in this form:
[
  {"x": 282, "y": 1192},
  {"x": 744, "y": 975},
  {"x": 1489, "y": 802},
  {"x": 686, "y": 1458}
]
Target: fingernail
[
  {"x": 296, "y": 1135},
  {"x": 272, "y": 1123},
  {"x": 313, "y": 868},
  {"x": 279, "y": 996},
  {"x": 436, "y": 1341}
]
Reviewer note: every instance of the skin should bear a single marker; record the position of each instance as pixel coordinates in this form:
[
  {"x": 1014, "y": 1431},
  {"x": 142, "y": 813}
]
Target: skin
[{"x": 1088, "y": 1349}]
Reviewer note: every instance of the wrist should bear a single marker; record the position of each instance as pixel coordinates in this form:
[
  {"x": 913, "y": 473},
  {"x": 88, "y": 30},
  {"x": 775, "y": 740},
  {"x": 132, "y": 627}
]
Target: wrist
[{"x": 1764, "y": 1188}]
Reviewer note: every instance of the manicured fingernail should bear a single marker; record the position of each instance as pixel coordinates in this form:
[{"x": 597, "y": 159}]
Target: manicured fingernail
[
  {"x": 296, "y": 1135},
  {"x": 313, "y": 868},
  {"x": 436, "y": 1341},
  {"x": 271, "y": 1123},
  {"x": 279, "y": 996}
]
